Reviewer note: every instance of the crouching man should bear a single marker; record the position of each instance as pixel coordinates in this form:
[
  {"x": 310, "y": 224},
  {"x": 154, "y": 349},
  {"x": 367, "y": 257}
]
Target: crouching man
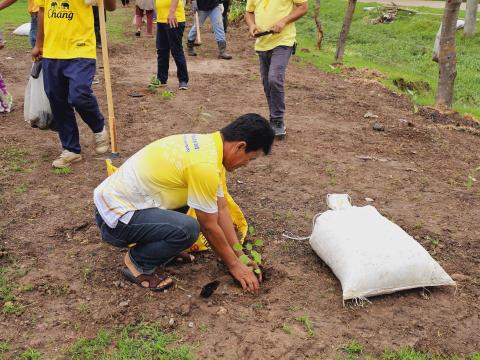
[{"x": 142, "y": 206}]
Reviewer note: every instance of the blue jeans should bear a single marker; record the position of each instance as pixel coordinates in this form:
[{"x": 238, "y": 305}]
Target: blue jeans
[
  {"x": 158, "y": 236},
  {"x": 32, "y": 36},
  {"x": 169, "y": 40},
  {"x": 216, "y": 18},
  {"x": 68, "y": 85}
]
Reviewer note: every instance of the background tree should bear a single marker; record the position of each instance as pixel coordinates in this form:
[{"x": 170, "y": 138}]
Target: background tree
[
  {"x": 447, "y": 61},
  {"x": 471, "y": 18},
  {"x": 347, "y": 21},
  {"x": 318, "y": 24}
]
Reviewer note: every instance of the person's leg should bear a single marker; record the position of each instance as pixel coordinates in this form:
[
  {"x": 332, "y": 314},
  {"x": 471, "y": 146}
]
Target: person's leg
[
  {"x": 217, "y": 24},
  {"x": 276, "y": 80},
  {"x": 226, "y": 6},
  {"x": 149, "y": 14},
  {"x": 138, "y": 20},
  {"x": 175, "y": 36},
  {"x": 32, "y": 36},
  {"x": 163, "y": 52},
  {"x": 155, "y": 236},
  {"x": 264, "y": 58},
  {"x": 56, "y": 86}
]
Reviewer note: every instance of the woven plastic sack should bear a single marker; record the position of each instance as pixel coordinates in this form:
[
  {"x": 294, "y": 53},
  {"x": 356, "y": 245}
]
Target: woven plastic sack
[
  {"x": 36, "y": 108},
  {"x": 236, "y": 214},
  {"x": 371, "y": 255}
]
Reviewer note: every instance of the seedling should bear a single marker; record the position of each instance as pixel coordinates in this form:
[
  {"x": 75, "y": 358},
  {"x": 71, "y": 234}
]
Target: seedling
[
  {"x": 286, "y": 329},
  {"x": 307, "y": 324},
  {"x": 255, "y": 255},
  {"x": 84, "y": 308},
  {"x": 31, "y": 354},
  {"x": 63, "y": 171},
  {"x": 11, "y": 308},
  {"x": 167, "y": 94},
  {"x": 87, "y": 273}
]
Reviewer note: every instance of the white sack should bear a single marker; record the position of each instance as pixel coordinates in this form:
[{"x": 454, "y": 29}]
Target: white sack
[
  {"x": 36, "y": 107},
  {"x": 370, "y": 255},
  {"x": 22, "y": 30}
]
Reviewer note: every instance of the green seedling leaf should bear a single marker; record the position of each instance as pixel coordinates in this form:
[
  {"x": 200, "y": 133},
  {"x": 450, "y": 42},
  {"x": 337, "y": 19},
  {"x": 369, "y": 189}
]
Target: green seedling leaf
[
  {"x": 249, "y": 247},
  {"x": 257, "y": 271},
  {"x": 251, "y": 230},
  {"x": 257, "y": 258},
  {"x": 237, "y": 247},
  {"x": 244, "y": 259},
  {"x": 258, "y": 242}
]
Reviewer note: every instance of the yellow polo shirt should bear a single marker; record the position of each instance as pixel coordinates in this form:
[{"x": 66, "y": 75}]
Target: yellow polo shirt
[
  {"x": 163, "y": 7},
  {"x": 169, "y": 173},
  {"x": 32, "y": 7},
  {"x": 68, "y": 29},
  {"x": 267, "y": 13}
]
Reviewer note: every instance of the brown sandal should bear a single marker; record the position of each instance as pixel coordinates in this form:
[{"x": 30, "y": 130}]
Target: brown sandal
[
  {"x": 181, "y": 258},
  {"x": 155, "y": 282}
]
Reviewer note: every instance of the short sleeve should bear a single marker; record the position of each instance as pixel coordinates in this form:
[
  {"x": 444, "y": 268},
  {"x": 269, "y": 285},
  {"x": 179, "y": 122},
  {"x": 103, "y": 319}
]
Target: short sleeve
[
  {"x": 203, "y": 182},
  {"x": 250, "y": 6},
  {"x": 39, "y": 3}
]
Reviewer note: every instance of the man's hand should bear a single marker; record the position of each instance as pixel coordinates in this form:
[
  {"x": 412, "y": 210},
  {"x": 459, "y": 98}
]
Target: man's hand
[
  {"x": 253, "y": 30},
  {"x": 245, "y": 276},
  {"x": 278, "y": 26},
  {"x": 172, "y": 19},
  {"x": 37, "y": 53},
  {"x": 194, "y": 5}
]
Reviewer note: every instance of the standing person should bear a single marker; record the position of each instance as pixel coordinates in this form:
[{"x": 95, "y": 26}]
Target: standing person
[
  {"x": 144, "y": 7},
  {"x": 66, "y": 45},
  {"x": 33, "y": 10},
  {"x": 274, "y": 50},
  {"x": 140, "y": 206},
  {"x": 170, "y": 28},
  {"x": 212, "y": 9},
  {"x": 5, "y": 97}
]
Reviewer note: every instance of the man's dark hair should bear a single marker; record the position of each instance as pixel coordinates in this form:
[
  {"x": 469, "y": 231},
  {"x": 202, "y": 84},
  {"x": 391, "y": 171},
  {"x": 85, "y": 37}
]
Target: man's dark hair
[{"x": 252, "y": 128}]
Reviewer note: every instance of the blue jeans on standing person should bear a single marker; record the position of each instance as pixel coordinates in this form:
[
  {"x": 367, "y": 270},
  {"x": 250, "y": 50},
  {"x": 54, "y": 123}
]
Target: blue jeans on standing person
[
  {"x": 68, "y": 85},
  {"x": 216, "y": 18},
  {"x": 32, "y": 36},
  {"x": 169, "y": 40},
  {"x": 154, "y": 236}
]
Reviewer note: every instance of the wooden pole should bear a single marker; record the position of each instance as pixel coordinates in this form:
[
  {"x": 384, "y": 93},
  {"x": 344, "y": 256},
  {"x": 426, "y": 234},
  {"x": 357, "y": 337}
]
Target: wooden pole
[
  {"x": 197, "y": 23},
  {"x": 347, "y": 21},
  {"x": 447, "y": 59},
  {"x": 108, "y": 82}
]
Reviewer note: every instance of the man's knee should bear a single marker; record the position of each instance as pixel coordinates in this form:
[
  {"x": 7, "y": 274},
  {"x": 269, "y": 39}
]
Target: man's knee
[
  {"x": 192, "y": 229},
  {"x": 82, "y": 97},
  {"x": 276, "y": 80}
]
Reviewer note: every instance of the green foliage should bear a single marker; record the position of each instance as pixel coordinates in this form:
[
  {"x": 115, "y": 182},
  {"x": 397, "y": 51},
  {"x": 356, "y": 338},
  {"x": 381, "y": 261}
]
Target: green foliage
[
  {"x": 353, "y": 348},
  {"x": 254, "y": 254},
  {"x": 31, "y": 354},
  {"x": 62, "y": 171},
  {"x": 251, "y": 230},
  {"x": 17, "y": 159},
  {"x": 21, "y": 189},
  {"x": 400, "y": 50},
  {"x": 237, "y": 10},
  {"x": 471, "y": 179},
  {"x": 143, "y": 341},
  {"x": 12, "y": 308},
  {"x": 286, "y": 329},
  {"x": 4, "y": 347},
  {"x": 307, "y": 324},
  {"x": 167, "y": 94},
  {"x": 409, "y": 353}
]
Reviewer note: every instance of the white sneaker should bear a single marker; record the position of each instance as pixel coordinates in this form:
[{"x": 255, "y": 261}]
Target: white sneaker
[
  {"x": 101, "y": 142},
  {"x": 66, "y": 158}
]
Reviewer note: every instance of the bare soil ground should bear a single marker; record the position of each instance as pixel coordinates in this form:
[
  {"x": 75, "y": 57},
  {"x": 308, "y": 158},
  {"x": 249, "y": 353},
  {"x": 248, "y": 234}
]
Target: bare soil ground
[{"x": 415, "y": 170}]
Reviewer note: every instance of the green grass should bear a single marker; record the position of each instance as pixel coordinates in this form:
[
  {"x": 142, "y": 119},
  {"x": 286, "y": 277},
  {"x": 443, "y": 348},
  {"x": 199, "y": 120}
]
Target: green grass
[
  {"x": 31, "y": 354},
  {"x": 400, "y": 50},
  {"x": 119, "y": 23},
  {"x": 62, "y": 171},
  {"x": 142, "y": 341}
]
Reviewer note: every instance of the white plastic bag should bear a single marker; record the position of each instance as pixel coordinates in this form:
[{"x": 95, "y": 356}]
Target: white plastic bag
[
  {"x": 370, "y": 255},
  {"x": 36, "y": 109},
  {"x": 22, "y": 30}
]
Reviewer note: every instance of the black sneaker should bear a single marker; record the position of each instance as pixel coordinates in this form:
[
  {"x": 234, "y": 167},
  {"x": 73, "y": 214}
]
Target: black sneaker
[{"x": 279, "y": 127}]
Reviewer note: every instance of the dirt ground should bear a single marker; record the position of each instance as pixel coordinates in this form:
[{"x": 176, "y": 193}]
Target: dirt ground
[{"x": 416, "y": 171}]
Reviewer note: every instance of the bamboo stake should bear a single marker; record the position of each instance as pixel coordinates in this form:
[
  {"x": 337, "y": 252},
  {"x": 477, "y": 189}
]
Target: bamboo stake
[
  {"x": 197, "y": 21},
  {"x": 108, "y": 82}
]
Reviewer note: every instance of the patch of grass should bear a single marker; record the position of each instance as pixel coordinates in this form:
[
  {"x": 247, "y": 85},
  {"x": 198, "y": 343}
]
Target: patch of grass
[
  {"x": 286, "y": 329},
  {"x": 236, "y": 10},
  {"x": 401, "y": 50},
  {"x": 84, "y": 308},
  {"x": 31, "y": 354},
  {"x": 144, "y": 341},
  {"x": 12, "y": 308},
  {"x": 87, "y": 273},
  {"x": 307, "y": 324},
  {"x": 62, "y": 171},
  {"x": 4, "y": 347},
  {"x": 354, "y": 348},
  {"x": 20, "y": 189},
  {"x": 26, "y": 288},
  {"x": 17, "y": 158}
]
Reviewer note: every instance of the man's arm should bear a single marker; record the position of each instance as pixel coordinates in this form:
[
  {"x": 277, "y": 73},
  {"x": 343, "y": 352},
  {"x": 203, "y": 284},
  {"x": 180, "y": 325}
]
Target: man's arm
[
  {"x": 172, "y": 18},
  {"x": 296, "y": 14},
  {"x": 209, "y": 225},
  {"x": 6, "y": 3},
  {"x": 37, "y": 50},
  {"x": 250, "y": 19},
  {"x": 110, "y": 5}
]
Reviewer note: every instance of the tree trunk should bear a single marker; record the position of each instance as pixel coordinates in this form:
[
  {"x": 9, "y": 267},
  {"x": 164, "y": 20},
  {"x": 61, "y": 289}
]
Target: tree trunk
[
  {"x": 318, "y": 23},
  {"x": 347, "y": 21},
  {"x": 471, "y": 18},
  {"x": 447, "y": 57}
]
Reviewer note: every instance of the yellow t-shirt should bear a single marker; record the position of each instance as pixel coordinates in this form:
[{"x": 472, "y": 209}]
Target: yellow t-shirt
[
  {"x": 32, "y": 7},
  {"x": 68, "y": 29},
  {"x": 163, "y": 7},
  {"x": 267, "y": 13},
  {"x": 169, "y": 173}
]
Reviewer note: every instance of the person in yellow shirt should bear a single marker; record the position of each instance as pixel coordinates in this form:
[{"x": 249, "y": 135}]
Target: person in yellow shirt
[
  {"x": 66, "y": 46},
  {"x": 142, "y": 205},
  {"x": 170, "y": 29},
  {"x": 272, "y": 22},
  {"x": 33, "y": 11}
]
